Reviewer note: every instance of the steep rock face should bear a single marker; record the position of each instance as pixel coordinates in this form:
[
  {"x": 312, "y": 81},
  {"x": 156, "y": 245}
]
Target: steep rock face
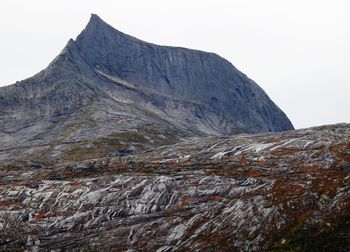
[
  {"x": 182, "y": 73},
  {"x": 107, "y": 83}
]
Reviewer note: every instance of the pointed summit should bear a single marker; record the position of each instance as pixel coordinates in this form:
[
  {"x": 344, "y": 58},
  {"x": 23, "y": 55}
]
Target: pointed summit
[
  {"x": 97, "y": 26},
  {"x": 95, "y": 20},
  {"x": 94, "y": 23},
  {"x": 96, "y": 32},
  {"x": 94, "y": 16},
  {"x": 181, "y": 73}
]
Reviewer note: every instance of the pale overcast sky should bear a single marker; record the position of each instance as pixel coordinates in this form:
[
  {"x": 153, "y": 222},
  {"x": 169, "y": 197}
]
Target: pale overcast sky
[{"x": 298, "y": 51}]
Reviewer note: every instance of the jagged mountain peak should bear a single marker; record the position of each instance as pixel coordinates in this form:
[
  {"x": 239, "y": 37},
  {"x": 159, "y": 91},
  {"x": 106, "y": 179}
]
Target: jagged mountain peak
[
  {"x": 98, "y": 30},
  {"x": 105, "y": 82},
  {"x": 95, "y": 23},
  {"x": 182, "y": 73},
  {"x": 95, "y": 18},
  {"x": 115, "y": 139}
]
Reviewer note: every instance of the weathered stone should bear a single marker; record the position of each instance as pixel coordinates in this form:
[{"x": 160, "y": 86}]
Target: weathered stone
[
  {"x": 280, "y": 191},
  {"x": 106, "y": 83}
]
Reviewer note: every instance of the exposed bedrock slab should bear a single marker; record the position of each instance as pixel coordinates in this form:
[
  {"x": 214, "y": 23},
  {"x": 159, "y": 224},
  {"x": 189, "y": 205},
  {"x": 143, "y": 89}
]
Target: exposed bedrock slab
[{"x": 285, "y": 191}]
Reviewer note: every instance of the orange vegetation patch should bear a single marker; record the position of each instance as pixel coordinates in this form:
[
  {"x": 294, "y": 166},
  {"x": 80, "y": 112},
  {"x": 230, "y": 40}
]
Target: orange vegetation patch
[
  {"x": 243, "y": 162},
  {"x": 294, "y": 188},
  {"x": 311, "y": 169},
  {"x": 8, "y": 203},
  {"x": 40, "y": 216},
  {"x": 185, "y": 201},
  {"x": 262, "y": 162},
  {"x": 342, "y": 151},
  {"x": 121, "y": 166},
  {"x": 254, "y": 174},
  {"x": 74, "y": 183},
  {"x": 284, "y": 151},
  {"x": 142, "y": 244},
  {"x": 304, "y": 216}
]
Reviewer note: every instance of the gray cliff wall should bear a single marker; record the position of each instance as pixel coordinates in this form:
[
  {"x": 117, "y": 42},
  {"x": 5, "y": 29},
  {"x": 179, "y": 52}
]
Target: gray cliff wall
[{"x": 189, "y": 74}]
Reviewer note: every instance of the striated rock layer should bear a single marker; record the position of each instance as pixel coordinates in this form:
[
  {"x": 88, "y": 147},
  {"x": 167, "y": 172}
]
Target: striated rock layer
[
  {"x": 275, "y": 192},
  {"x": 106, "y": 84}
]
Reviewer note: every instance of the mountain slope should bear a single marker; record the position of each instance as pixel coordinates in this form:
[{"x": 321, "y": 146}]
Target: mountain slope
[
  {"x": 107, "y": 83},
  {"x": 188, "y": 74}
]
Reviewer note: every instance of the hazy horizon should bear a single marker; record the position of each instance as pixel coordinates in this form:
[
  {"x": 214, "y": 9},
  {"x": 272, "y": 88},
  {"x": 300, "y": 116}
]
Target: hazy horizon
[{"x": 298, "y": 52}]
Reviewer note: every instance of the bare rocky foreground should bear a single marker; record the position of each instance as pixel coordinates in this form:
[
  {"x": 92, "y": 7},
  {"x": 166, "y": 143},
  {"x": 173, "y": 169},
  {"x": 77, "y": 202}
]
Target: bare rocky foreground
[{"x": 278, "y": 192}]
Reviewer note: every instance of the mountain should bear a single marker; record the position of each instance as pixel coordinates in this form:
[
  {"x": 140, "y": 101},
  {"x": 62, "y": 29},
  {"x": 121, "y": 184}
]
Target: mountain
[
  {"x": 268, "y": 192},
  {"x": 123, "y": 145},
  {"x": 108, "y": 92}
]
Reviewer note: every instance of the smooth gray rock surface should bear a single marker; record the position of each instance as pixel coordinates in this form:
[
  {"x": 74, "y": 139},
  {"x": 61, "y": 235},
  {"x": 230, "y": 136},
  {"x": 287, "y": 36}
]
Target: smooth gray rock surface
[
  {"x": 187, "y": 74},
  {"x": 108, "y": 83}
]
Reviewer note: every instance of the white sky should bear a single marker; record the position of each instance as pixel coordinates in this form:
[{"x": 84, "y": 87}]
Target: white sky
[{"x": 298, "y": 51}]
